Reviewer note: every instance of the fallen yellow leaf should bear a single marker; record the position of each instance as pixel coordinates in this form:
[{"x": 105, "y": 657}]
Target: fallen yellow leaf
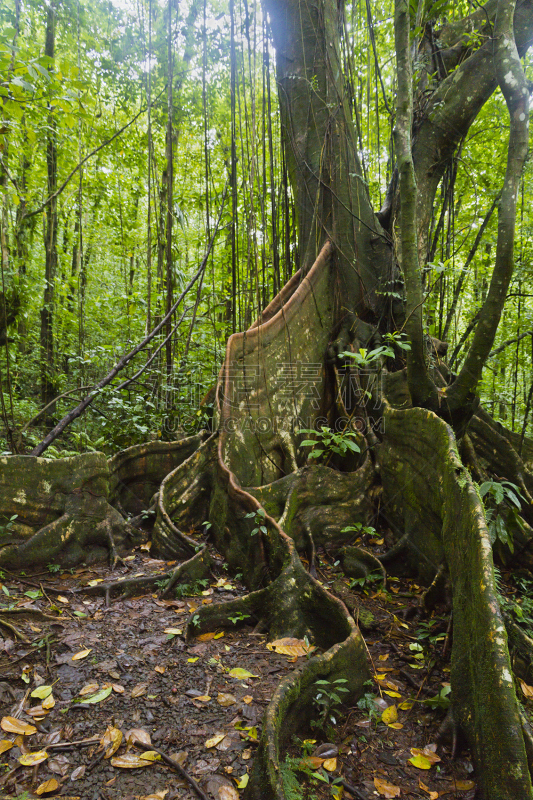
[
  {"x": 111, "y": 741},
  {"x": 432, "y": 795},
  {"x": 392, "y": 694},
  {"x": 81, "y": 654},
  {"x": 247, "y": 699},
  {"x": 330, "y": 764},
  {"x": 386, "y": 789},
  {"x": 214, "y": 740},
  {"x": 49, "y": 702},
  {"x": 48, "y": 786},
  {"x": 159, "y": 669},
  {"x": 174, "y": 631},
  {"x": 288, "y": 646},
  {"x": 241, "y": 674},
  {"x": 5, "y": 745},
  {"x": 420, "y": 762},
  {"x": 225, "y": 700},
  {"x": 41, "y": 692},
  {"x": 527, "y": 691},
  {"x": 427, "y": 752},
  {"x": 130, "y": 761},
  {"x": 29, "y": 759},
  {"x": 118, "y": 688},
  {"x": 89, "y": 688},
  {"x": 463, "y": 786},
  {"x": 12, "y": 725},
  {"x": 151, "y": 755},
  {"x": 390, "y": 715}
]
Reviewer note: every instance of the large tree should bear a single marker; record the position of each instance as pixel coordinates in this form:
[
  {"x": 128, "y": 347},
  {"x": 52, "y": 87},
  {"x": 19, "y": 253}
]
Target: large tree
[{"x": 359, "y": 280}]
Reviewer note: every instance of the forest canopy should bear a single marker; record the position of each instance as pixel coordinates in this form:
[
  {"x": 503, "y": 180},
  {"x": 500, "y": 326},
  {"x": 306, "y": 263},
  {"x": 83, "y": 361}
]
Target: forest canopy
[{"x": 87, "y": 273}]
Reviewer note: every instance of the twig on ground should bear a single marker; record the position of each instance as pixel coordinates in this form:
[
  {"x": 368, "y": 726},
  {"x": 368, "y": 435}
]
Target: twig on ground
[
  {"x": 15, "y": 631},
  {"x": 174, "y": 764},
  {"x": 354, "y": 791}
]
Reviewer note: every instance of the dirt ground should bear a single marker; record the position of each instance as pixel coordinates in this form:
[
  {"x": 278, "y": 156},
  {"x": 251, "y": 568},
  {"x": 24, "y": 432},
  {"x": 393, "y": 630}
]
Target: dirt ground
[{"x": 96, "y": 694}]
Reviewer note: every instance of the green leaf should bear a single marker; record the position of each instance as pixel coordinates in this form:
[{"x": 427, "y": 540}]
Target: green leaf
[{"x": 99, "y": 696}]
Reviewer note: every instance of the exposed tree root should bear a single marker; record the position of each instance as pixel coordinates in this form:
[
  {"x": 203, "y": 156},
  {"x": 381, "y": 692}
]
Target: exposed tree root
[
  {"x": 428, "y": 490},
  {"x": 135, "y": 474},
  {"x": 199, "y": 566},
  {"x": 63, "y": 514}
]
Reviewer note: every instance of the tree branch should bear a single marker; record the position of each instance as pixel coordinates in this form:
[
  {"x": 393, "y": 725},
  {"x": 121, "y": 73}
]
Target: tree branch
[
  {"x": 514, "y": 88},
  {"x": 80, "y": 408}
]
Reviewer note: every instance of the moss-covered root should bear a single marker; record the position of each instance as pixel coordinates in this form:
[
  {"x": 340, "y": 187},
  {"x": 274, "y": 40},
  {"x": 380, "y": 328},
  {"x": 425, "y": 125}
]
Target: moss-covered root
[
  {"x": 199, "y": 566},
  {"x": 183, "y": 502},
  {"x": 292, "y": 707},
  {"x": 196, "y": 568},
  {"x": 294, "y": 604},
  {"x": 63, "y": 513},
  {"x": 431, "y": 494},
  {"x": 136, "y": 473}
]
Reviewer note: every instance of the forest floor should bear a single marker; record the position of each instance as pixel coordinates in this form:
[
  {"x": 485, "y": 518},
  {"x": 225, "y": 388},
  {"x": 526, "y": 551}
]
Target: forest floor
[{"x": 122, "y": 672}]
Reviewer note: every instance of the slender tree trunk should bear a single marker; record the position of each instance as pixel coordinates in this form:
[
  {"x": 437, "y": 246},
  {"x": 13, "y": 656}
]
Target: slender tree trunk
[{"x": 50, "y": 238}]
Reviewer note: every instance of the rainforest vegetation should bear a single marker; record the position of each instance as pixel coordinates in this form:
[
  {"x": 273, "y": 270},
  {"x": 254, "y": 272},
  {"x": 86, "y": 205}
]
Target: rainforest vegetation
[{"x": 266, "y": 277}]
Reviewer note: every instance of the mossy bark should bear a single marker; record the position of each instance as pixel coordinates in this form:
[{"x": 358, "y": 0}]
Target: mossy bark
[
  {"x": 424, "y": 480},
  {"x": 63, "y": 513}
]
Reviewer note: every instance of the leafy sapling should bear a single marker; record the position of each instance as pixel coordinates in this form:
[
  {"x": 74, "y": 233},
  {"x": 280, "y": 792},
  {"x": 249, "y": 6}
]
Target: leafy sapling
[
  {"x": 358, "y": 527},
  {"x": 503, "y": 503},
  {"x": 6, "y": 528},
  {"x": 259, "y": 521},
  {"x": 328, "y": 443},
  {"x": 328, "y": 701}
]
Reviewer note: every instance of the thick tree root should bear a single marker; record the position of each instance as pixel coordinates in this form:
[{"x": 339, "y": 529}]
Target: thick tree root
[
  {"x": 136, "y": 473},
  {"x": 63, "y": 515},
  {"x": 427, "y": 489},
  {"x": 199, "y": 566}
]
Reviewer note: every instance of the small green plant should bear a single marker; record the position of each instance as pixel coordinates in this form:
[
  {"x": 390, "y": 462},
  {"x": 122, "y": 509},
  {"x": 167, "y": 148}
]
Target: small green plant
[
  {"x": 397, "y": 338},
  {"x": 442, "y": 700},
  {"x": 53, "y": 567},
  {"x": 328, "y": 443},
  {"x": 366, "y": 702},
  {"x": 503, "y": 503},
  {"x": 238, "y": 617},
  {"x": 327, "y": 700},
  {"x": 196, "y": 620},
  {"x": 6, "y": 528},
  {"x": 191, "y": 589},
  {"x": 259, "y": 521},
  {"x": 372, "y": 577},
  {"x": 521, "y": 609},
  {"x": 358, "y": 527}
]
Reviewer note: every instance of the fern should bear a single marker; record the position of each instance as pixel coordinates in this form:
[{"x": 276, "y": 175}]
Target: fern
[{"x": 291, "y": 786}]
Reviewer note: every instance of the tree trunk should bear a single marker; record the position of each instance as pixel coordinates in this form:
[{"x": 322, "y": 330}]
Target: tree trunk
[{"x": 50, "y": 239}]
